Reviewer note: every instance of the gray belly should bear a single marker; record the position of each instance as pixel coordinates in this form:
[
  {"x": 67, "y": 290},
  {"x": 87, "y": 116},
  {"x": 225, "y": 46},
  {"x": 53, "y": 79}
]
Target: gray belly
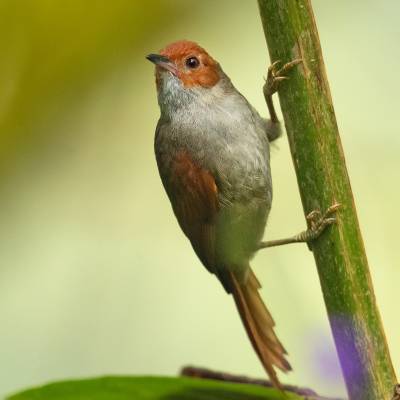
[{"x": 239, "y": 229}]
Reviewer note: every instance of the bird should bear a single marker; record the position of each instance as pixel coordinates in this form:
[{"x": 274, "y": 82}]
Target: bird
[{"x": 213, "y": 155}]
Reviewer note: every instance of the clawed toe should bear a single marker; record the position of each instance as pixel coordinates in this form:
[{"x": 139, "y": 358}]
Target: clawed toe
[
  {"x": 318, "y": 223},
  {"x": 276, "y": 76},
  {"x": 313, "y": 214},
  {"x": 274, "y": 65},
  {"x": 288, "y": 66},
  {"x": 332, "y": 208}
]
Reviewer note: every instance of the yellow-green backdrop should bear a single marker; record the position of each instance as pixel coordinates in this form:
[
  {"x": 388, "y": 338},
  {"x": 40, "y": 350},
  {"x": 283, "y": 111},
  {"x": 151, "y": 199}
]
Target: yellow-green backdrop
[{"x": 95, "y": 276}]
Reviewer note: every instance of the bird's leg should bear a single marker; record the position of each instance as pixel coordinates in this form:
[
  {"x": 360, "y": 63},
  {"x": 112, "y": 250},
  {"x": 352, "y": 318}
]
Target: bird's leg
[
  {"x": 317, "y": 223},
  {"x": 274, "y": 77}
]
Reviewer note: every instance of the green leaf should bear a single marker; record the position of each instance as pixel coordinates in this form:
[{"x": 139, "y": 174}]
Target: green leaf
[{"x": 151, "y": 388}]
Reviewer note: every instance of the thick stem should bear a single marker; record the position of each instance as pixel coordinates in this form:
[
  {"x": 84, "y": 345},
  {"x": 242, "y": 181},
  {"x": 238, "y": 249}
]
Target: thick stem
[{"x": 322, "y": 177}]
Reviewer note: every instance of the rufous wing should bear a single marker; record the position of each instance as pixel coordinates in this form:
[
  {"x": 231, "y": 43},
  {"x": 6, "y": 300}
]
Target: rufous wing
[{"x": 194, "y": 196}]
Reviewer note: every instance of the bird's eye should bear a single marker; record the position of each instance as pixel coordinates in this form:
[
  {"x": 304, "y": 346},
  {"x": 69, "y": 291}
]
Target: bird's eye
[{"x": 192, "y": 62}]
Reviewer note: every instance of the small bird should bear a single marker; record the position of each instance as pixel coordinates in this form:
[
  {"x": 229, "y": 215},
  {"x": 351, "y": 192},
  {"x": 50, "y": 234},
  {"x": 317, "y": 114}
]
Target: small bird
[{"x": 212, "y": 151}]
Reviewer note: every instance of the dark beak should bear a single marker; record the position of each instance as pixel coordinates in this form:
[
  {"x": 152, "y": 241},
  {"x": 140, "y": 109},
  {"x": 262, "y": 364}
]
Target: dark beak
[{"x": 163, "y": 62}]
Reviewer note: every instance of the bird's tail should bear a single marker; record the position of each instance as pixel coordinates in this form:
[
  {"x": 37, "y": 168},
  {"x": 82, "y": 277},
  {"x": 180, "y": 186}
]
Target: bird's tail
[{"x": 259, "y": 326}]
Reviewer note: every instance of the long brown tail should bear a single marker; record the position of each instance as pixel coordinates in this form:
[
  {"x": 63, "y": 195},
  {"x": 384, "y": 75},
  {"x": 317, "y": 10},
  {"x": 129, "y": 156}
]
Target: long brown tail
[{"x": 259, "y": 326}]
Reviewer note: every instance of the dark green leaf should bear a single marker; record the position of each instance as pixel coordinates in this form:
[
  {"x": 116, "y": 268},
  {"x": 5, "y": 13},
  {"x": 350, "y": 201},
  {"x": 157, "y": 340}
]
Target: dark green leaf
[{"x": 150, "y": 388}]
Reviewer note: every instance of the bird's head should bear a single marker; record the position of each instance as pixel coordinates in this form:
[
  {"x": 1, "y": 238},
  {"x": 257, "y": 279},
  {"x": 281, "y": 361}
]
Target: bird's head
[
  {"x": 188, "y": 62},
  {"x": 183, "y": 70}
]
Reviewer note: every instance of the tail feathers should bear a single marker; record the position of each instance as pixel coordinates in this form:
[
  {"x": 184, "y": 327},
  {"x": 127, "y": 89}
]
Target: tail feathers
[
  {"x": 259, "y": 326},
  {"x": 260, "y": 313}
]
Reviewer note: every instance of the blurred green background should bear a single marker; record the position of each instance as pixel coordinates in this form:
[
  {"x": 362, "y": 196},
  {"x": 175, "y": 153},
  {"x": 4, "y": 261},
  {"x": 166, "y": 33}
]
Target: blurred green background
[{"x": 95, "y": 276}]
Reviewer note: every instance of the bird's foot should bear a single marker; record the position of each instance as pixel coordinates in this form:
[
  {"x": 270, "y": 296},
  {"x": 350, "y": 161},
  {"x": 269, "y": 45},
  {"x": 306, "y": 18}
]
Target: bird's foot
[
  {"x": 317, "y": 222},
  {"x": 276, "y": 75}
]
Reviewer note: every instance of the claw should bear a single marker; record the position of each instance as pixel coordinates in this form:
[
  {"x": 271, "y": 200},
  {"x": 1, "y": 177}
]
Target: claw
[
  {"x": 276, "y": 76},
  {"x": 318, "y": 222},
  {"x": 296, "y": 61},
  {"x": 280, "y": 78},
  {"x": 290, "y": 65},
  {"x": 274, "y": 64},
  {"x": 312, "y": 215},
  {"x": 333, "y": 208}
]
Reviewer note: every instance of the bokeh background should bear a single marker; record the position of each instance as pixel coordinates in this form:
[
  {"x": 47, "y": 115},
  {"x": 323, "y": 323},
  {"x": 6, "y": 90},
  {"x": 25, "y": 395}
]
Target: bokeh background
[{"x": 95, "y": 276}]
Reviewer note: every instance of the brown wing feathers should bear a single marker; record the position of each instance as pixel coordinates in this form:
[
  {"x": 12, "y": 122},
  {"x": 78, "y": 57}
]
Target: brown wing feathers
[{"x": 194, "y": 197}]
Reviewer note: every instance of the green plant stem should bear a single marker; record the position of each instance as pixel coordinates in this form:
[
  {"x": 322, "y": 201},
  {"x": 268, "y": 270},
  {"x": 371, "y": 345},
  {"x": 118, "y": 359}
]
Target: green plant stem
[{"x": 322, "y": 177}]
